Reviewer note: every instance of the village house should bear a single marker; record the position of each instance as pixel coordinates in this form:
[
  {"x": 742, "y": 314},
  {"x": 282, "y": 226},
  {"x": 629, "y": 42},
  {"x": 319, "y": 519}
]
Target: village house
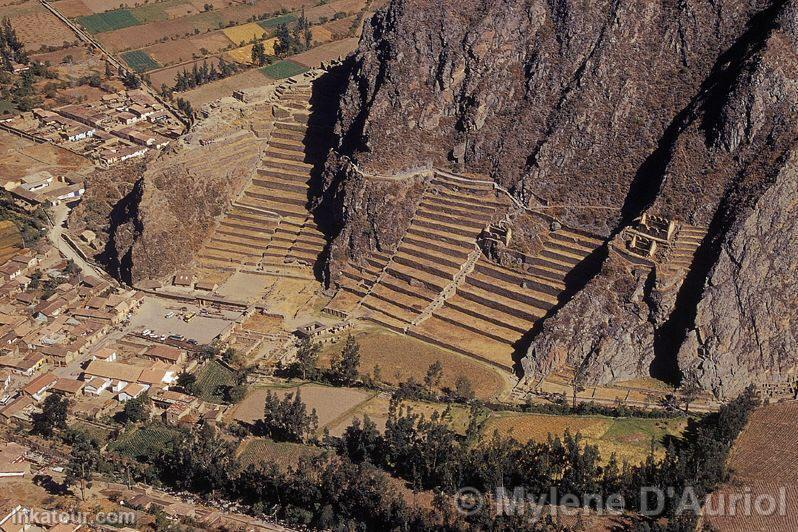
[
  {"x": 165, "y": 353},
  {"x": 21, "y": 409},
  {"x": 38, "y": 387},
  {"x": 132, "y": 391},
  {"x": 26, "y": 365},
  {"x": 12, "y": 460},
  {"x": 106, "y": 354},
  {"x": 96, "y": 385},
  {"x": 59, "y": 355},
  {"x": 68, "y": 387}
]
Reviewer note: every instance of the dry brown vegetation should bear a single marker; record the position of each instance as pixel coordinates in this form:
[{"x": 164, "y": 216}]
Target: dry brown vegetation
[{"x": 402, "y": 357}]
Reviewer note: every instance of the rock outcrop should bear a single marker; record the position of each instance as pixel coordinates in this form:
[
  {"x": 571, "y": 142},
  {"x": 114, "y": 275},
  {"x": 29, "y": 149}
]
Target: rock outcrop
[
  {"x": 601, "y": 111},
  {"x": 153, "y": 216}
]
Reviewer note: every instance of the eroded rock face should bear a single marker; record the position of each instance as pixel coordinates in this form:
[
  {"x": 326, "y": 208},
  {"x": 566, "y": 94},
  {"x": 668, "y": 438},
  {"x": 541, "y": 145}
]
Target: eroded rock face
[
  {"x": 745, "y": 321},
  {"x": 540, "y": 95},
  {"x": 153, "y": 216},
  {"x": 607, "y": 109}
]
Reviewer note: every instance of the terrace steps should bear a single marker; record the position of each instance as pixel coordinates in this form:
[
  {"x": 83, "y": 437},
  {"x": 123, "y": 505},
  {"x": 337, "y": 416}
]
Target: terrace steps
[{"x": 269, "y": 223}]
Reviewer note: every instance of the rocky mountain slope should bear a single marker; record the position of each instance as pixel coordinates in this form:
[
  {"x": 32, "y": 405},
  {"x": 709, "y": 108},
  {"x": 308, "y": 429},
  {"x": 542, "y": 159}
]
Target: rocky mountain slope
[
  {"x": 597, "y": 112},
  {"x": 153, "y": 216}
]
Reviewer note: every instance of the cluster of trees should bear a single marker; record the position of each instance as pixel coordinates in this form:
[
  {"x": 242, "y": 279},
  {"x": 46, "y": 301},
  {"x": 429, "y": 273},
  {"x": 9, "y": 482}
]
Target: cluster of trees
[
  {"x": 287, "y": 419},
  {"x": 343, "y": 369},
  {"x": 200, "y": 75},
  {"x": 350, "y": 487},
  {"x": 32, "y": 226},
  {"x": 259, "y": 56},
  {"x": 430, "y": 455},
  {"x": 21, "y": 89},
  {"x": 294, "y": 40},
  {"x": 11, "y": 48},
  {"x": 185, "y": 107},
  {"x": 322, "y": 492}
]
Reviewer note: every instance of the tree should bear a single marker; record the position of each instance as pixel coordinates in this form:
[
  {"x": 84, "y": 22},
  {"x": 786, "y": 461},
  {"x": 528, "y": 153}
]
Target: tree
[
  {"x": 187, "y": 381},
  {"x": 131, "y": 81},
  {"x": 231, "y": 356},
  {"x": 690, "y": 391},
  {"x": 288, "y": 419},
  {"x": 578, "y": 382},
  {"x": 463, "y": 389},
  {"x": 137, "y": 409},
  {"x": 83, "y": 462},
  {"x": 202, "y": 462},
  {"x": 259, "y": 54},
  {"x": 434, "y": 375},
  {"x": 344, "y": 366},
  {"x": 234, "y": 394},
  {"x": 53, "y": 416},
  {"x": 306, "y": 358}
]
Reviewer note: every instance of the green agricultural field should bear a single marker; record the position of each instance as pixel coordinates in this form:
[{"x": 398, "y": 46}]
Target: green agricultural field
[
  {"x": 108, "y": 21},
  {"x": 271, "y": 23},
  {"x": 283, "y": 69},
  {"x": 145, "y": 442},
  {"x": 140, "y": 61},
  {"x": 211, "y": 380}
]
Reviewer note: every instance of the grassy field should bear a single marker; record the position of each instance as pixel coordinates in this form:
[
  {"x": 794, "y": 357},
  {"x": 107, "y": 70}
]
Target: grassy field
[
  {"x": 376, "y": 409},
  {"x": 283, "y": 69},
  {"x": 139, "y": 61},
  {"x": 261, "y": 451},
  {"x": 146, "y": 441},
  {"x": 210, "y": 380},
  {"x": 112, "y": 20},
  {"x": 272, "y": 23},
  {"x": 629, "y": 438},
  {"x": 401, "y": 357}
]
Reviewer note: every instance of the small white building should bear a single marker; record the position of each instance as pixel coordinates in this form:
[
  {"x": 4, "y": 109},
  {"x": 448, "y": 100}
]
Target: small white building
[{"x": 97, "y": 385}]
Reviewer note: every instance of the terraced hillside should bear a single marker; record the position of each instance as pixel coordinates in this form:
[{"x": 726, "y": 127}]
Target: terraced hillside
[
  {"x": 440, "y": 287},
  {"x": 496, "y": 306},
  {"x": 269, "y": 228}
]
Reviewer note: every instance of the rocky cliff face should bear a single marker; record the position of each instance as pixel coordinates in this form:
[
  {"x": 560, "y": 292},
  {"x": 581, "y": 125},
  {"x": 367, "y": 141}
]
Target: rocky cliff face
[{"x": 604, "y": 110}]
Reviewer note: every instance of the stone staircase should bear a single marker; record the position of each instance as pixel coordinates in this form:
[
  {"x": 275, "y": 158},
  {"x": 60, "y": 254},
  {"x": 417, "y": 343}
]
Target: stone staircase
[{"x": 685, "y": 244}]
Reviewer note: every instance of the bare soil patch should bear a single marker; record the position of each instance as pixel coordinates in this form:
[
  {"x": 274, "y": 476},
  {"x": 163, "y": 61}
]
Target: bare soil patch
[
  {"x": 330, "y": 403},
  {"x": 72, "y": 8},
  {"x": 326, "y": 52},
  {"x": 37, "y": 27}
]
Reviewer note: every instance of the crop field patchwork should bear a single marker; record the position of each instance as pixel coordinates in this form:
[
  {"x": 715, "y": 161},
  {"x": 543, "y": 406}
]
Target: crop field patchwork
[
  {"x": 110, "y": 21},
  {"x": 146, "y": 442},
  {"x": 139, "y": 61},
  {"x": 283, "y": 69},
  {"x": 211, "y": 380}
]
